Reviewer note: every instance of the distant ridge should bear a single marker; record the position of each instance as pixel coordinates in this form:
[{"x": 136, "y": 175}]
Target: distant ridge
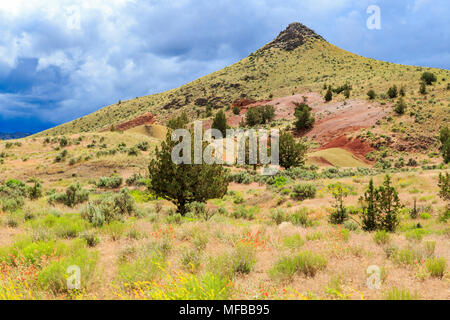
[{"x": 15, "y": 135}]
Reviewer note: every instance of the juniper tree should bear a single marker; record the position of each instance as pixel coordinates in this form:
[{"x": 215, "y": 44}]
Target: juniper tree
[
  {"x": 304, "y": 119},
  {"x": 392, "y": 92},
  {"x": 339, "y": 193},
  {"x": 428, "y": 78},
  {"x": 381, "y": 207},
  {"x": 220, "y": 122},
  {"x": 444, "y": 137},
  {"x": 389, "y": 205},
  {"x": 267, "y": 113},
  {"x": 184, "y": 183},
  {"x": 369, "y": 216},
  {"x": 400, "y": 107},
  {"x": 444, "y": 186},
  {"x": 253, "y": 117},
  {"x": 292, "y": 154},
  {"x": 423, "y": 88},
  {"x": 328, "y": 95},
  {"x": 371, "y": 94},
  {"x": 178, "y": 122}
]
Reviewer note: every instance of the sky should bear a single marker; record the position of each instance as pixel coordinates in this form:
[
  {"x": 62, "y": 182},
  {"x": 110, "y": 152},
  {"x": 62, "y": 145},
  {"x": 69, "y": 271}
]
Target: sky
[{"x": 63, "y": 59}]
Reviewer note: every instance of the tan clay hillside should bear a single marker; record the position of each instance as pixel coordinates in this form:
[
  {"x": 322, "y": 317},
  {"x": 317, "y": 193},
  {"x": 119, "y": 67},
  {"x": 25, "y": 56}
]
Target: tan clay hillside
[{"x": 297, "y": 62}]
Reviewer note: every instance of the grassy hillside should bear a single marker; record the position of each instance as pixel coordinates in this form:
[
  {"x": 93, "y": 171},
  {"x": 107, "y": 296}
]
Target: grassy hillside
[{"x": 275, "y": 73}]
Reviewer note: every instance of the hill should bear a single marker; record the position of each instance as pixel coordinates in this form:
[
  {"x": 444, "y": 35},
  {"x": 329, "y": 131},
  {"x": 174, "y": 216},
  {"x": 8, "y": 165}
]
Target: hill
[{"x": 298, "y": 61}]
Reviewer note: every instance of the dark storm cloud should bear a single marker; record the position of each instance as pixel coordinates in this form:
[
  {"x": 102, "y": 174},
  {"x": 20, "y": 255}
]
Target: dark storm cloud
[{"x": 63, "y": 59}]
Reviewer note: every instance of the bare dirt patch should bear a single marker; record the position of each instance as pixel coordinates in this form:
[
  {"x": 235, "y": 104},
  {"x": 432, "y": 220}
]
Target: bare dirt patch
[
  {"x": 335, "y": 119},
  {"x": 145, "y": 119}
]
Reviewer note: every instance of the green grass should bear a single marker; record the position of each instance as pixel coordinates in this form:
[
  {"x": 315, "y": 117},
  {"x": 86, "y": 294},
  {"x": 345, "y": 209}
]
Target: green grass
[
  {"x": 36, "y": 252},
  {"x": 306, "y": 263},
  {"x": 54, "y": 276},
  {"x": 400, "y": 294},
  {"x": 293, "y": 242},
  {"x": 145, "y": 267},
  {"x": 66, "y": 227}
]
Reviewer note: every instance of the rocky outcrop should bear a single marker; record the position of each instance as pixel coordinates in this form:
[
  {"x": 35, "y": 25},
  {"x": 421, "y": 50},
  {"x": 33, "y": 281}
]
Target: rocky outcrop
[{"x": 293, "y": 37}]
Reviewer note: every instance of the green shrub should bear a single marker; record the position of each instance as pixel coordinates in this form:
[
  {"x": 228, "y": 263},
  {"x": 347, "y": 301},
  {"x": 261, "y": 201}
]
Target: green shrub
[
  {"x": 436, "y": 267},
  {"x": 35, "y": 191},
  {"x": 221, "y": 265},
  {"x": 425, "y": 216},
  {"x": 244, "y": 258},
  {"x": 12, "y": 194},
  {"x": 423, "y": 88},
  {"x": 198, "y": 209},
  {"x": 240, "y": 177},
  {"x": 63, "y": 142},
  {"x": 372, "y": 95},
  {"x": 444, "y": 185},
  {"x": 392, "y": 92},
  {"x": 12, "y": 204},
  {"x": 111, "y": 182},
  {"x": 115, "y": 230},
  {"x": 31, "y": 252},
  {"x": 143, "y": 146},
  {"x": 91, "y": 238},
  {"x": 406, "y": 256},
  {"x": 339, "y": 192},
  {"x": 278, "y": 216},
  {"x": 190, "y": 260},
  {"x": 66, "y": 227},
  {"x": 428, "y": 78},
  {"x": 145, "y": 268},
  {"x": 415, "y": 234},
  {"x": 306, "y": 263},
  {"x": 381, "y": 237},
  {"x": 133, "y": 151},
  {"x": 350, "y": 225},
  {"x": 113, "y": 207},
  {"x": 328, "y": 95},
  {"x": 300, "y": 218},
  {"x": 243, "y": 212},
  {"x": 400, "y": 106},
  {"x": 11, "y": 222},
  {"x": 304, "y": 191},
  {"x": 293, "y": 242},
  {"x": 74, "y": 195},
  {"x": 314, "y": 236},
  {"x": 61, "y": 157}
]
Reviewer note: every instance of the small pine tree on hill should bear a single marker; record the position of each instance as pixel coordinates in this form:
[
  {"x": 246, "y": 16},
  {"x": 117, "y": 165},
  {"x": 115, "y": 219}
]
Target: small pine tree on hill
[{"x": 329, "y": 95}]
